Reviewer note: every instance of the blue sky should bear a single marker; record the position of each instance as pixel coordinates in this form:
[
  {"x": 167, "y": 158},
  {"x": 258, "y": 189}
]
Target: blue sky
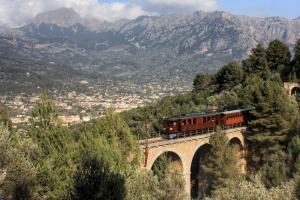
[
  {"x": 259, "y": 8},
  {"x": 262, "y": 8},
  {"x": 15, "y": 13}
]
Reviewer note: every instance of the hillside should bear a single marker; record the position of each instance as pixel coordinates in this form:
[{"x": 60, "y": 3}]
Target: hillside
[
  {"x": 146, "y": 49},
  {"x": 23, "y": 75}
]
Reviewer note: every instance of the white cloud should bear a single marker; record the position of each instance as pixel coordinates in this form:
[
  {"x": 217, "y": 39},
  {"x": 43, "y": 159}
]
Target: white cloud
[
  {"x": 178, "y": 6},
  {"x": 15, "y": 13},
  {"x": 111, "y": 12}
]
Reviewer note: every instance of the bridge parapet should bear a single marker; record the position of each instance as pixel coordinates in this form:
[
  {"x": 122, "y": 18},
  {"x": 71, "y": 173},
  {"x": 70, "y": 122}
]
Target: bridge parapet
[{"x": 155, "y": 142}]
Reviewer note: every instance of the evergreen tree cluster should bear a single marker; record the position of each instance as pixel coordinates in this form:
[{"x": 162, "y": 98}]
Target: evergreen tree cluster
[
  {"x": 99, "y": 159},
  {"x": 92, "y": 160},
  {"x": 273, "y": 131}
]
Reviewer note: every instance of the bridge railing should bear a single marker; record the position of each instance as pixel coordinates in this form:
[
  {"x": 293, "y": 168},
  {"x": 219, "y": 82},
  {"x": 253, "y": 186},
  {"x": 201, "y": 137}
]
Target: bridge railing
[
  {"x": 207, "y": 130},
  {"x": 159, "y": 136}
]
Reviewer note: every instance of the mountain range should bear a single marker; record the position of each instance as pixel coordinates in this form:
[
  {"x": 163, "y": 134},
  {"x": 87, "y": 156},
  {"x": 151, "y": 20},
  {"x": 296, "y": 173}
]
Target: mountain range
[{"x": 146, "y": 49}]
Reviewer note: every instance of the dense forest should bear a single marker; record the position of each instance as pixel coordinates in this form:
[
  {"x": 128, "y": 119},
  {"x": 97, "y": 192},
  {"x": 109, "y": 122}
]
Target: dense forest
[{"x": 101, "y": 159}]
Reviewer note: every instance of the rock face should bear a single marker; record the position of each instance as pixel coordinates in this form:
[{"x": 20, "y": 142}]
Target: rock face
[
  {"x": 155, "y": 48},
  {"x": 63, "y": 17}
]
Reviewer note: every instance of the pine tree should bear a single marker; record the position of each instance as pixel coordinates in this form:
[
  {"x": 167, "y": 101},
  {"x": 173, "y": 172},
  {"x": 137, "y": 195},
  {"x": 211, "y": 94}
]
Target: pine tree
[
  {"x": 201, "y": 82},
  {"x": 257, "y": 62},
  {"x": 296, "y": 61},
  {"x": 278, "y": 55},
  {"x": 4, "y": 117},
  {"x": 44, "y": 114},
  {"x": 274, "y": 114},
  {"x": 95, "y": 180},
  {"x": 229, "y": 76},
  {"x": 161, "y": 166},
  {"x": 222, "y": 163},
  {"x": 275, "y": 170},
  {"x": 297, "y": 50}
]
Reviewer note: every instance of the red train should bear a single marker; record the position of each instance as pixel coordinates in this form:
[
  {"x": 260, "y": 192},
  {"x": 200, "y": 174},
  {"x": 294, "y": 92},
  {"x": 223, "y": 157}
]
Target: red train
[{"x": 203, "y": 122}]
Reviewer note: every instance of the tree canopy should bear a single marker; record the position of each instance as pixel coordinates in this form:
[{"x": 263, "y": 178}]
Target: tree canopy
[
  {"x": 4, "y": 117},
  {"x": 278, "y": 55},
  {"x": 44, "y": 113},
  {"x": 101, "y": 158},
  {"x": 257, "y": 62},
  {"x": 201, "y": 82},
  {"x": 229, "y": 76},
  {"x": 222, "y": 163}
]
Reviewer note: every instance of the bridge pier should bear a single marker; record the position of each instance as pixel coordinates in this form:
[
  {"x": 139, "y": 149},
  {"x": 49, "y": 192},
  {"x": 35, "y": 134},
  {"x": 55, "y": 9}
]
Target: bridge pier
[{"x": 187, "y": 180}]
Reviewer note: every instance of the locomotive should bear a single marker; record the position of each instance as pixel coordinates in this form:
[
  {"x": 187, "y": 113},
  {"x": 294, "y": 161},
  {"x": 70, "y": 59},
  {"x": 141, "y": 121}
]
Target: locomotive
[{"x": 203, "y": 122}]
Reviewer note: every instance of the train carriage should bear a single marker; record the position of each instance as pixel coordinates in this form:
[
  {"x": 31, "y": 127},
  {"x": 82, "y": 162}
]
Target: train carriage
[
  {"x": 238, "y": 117},
  {"x": 178, "y": 125},
  {"x": 175, "y": 126}
]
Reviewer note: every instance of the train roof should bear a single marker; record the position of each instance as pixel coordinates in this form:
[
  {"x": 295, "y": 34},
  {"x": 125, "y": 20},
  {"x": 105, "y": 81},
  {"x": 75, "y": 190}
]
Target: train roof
[
  {"x": 235, "y": 111},
  {"x": 189, "y": 115},
  {"x": 200, "y": 114}
]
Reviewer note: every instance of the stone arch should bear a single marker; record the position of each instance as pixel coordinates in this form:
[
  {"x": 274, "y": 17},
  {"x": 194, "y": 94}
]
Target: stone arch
[
  {"x": 239, "y": 150},
  {"x": 197, "y": 177},
  {"x": 235, "y": 140},
  {"x": 289, "y": 87},
  {"x": 235, "y": 136},
  {"x": 173, "y": 153},
  {"x": 295, "y": 91}
]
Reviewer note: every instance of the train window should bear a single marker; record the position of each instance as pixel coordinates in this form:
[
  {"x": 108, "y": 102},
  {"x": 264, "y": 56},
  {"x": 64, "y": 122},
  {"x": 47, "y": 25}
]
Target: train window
[
  {"x": 213, "y": 118},
  {"x": 189, "y": 121},
  {"x": 208, "y": 119},
  {"x": 183, "y": 122},
  {"x": 194, "y": 121},
  {"x": 204, "y": 119}
]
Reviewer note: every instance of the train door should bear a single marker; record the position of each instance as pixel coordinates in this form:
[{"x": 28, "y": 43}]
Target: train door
[
  {"x": 218, "y": 120},
  {"x": 179, "y": 125}
]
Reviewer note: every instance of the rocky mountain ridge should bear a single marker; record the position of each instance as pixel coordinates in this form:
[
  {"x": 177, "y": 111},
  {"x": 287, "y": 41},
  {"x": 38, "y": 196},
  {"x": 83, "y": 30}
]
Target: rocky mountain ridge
[{"x": 146, "y": 49}]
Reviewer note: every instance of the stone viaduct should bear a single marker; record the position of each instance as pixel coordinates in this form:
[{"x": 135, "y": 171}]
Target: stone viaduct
[
  {"x": 185, "y": 149},
  {"x": 291, "y": 88}
]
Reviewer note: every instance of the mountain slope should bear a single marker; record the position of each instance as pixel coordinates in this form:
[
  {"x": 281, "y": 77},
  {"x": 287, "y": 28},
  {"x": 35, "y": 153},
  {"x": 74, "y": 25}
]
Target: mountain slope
[
  {"x": 147, "y": 49},
  {"x": 19, "y": 74}
]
